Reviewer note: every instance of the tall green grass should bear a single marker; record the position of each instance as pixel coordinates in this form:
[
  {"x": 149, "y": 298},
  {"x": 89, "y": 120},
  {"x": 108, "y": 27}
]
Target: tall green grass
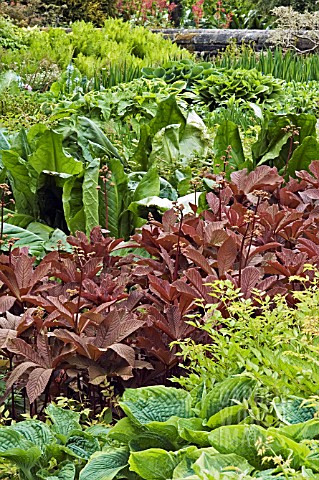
[{"x": 286, "y": 65}]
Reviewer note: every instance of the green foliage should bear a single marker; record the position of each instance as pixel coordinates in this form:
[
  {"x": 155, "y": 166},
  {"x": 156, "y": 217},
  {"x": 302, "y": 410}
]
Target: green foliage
[{"x": 269, "y": 341}]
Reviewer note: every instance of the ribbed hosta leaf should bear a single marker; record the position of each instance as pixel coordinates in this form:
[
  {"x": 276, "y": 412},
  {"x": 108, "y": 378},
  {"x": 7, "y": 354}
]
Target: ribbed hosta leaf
[
  {"x": 144, "y": 405},
  {"x": 222, "y": 396},
  {"x": 64, "y": 421},
  {"x": 84, "y": 446},
  {"x": 105, "y": 465},
  {"x": 35, "y": 431},
  {"x": 293, "y": 411},
  {"x": 9, "y": 438}
]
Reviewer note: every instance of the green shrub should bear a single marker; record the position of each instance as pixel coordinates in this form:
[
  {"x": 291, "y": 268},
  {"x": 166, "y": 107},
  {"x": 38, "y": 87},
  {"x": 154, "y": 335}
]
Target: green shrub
[{"x": 266, "y": 339}]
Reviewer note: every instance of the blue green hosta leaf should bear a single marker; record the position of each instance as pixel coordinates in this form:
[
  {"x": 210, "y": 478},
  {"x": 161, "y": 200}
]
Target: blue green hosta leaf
[
  {"x": 35, "y": 431},
  {"x": 150, "y": 440},
  {"x": 294, "y": 411},
  {"x": 155, "y": 463},
  {"x": 98, "y": 430},
  {"x": 50, "y": 156},
  {"x": 83, "y": 446},
  {"x": 224, "y": 394},
  {"x": 10, "y": 439},
  {"x": 65, "y": 472},
  {"x": 64, "y": 421},
  {"x": 144, "y": 405},
  {"x": 105, "y": 465}
]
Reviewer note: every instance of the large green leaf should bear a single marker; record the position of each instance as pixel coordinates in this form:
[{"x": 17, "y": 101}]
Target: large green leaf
[
  {"x": 83, "y": 445},
  {"x": 35, "y": 431},
  {"x": 185, "y": 468},
  {"x": 23, "y": 179},
  {"x": 294, "y": 411},
  {"x": 228, "y": 416},
  {"x": 155, "y": 463},
  {"x": 64, "y": 421},
  {"x": 91, "y": 195},
  {"x": 158, "y": 403},
  {"x": 23, "y": 459},
  {"x": 230, "y": 462},
  {"x": 49, "y": 156},
  {"x": 73, "y": 204},
  {"x": 303, "y": 156},
  {"x": 165, "y": 146},
  {"x": 168, "y": 113},
  {"x": 90, "y": 134},
  {"x": 194, "y": 138},
  {"x": 105, "y": 465},
  {"x": 192, "y": 430},
  {"x": 118, "y": 198},
  {"x": 24, "y": 238},
  {"x": 149, "y": 185},
  {"x": 228, "y": 135},
  {"x": 224, "y": 394},
  {"x": 301, "y": 431},
  {"x": 239, "y": 439}
]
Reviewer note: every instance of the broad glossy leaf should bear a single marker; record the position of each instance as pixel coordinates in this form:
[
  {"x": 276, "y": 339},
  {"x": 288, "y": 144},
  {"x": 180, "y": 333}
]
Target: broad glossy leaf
[
  {"x": 303, "y": 156},
  {"x": 228, "y": 134},
  {"x": 194, "y": 139},
  {"x": 165, "y": 146},
  {"x": 49, "y": 156},
  {"x": 25, "y": 238},
  {"x": 292, "y": 411},
  {"x": 91, "y": 195},
  {"x": 227, "y": 416},
  {"x": 105, "y": 465},
  {"x": 192, "y": 430},
  {"x": 168, "y": 113},
  {"x": 23, "y": 179},
  {"x": 208, "y": 463},
  {"x": 158, "y": 403},
  {"x": 155, "y": 463},
  {"x": 90, "y": 133}
]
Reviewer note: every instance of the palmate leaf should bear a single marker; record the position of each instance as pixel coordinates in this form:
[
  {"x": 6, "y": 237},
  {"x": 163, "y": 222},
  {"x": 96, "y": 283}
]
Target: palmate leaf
[
  {"x": 105, "y": 465},
  {"x": 148, "y": 404}
]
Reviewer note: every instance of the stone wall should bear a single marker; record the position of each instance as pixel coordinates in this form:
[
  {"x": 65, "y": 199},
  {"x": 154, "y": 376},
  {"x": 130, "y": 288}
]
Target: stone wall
[{"x": 208, "y": 42}]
